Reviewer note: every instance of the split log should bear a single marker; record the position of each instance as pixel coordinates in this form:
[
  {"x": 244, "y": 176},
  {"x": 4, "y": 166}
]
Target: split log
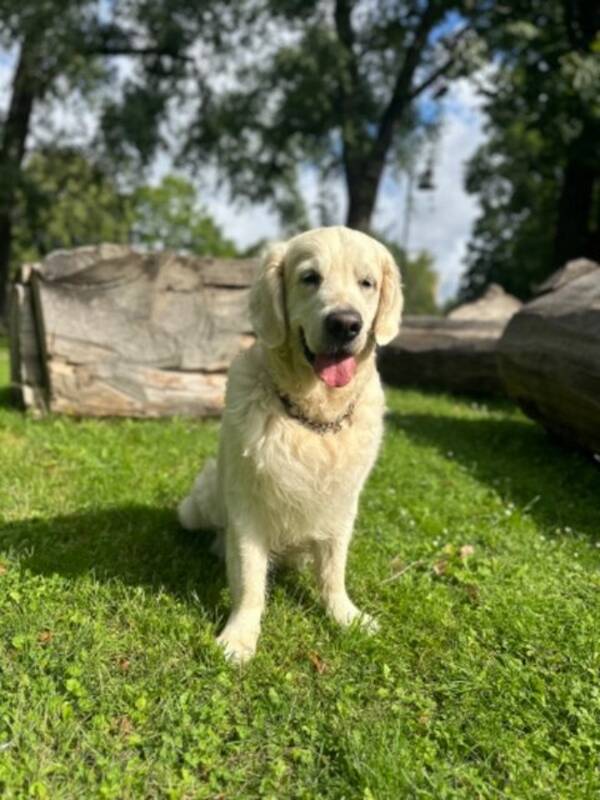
[
  {"x": 495, "y": 304},
  {"x": 27, "y": 372},
  {"x": 570, "y": 272},
  {"x": 549, "y": 359},
  {"x": 127, "y": 333},
  {"x": 448, "y": 354}
]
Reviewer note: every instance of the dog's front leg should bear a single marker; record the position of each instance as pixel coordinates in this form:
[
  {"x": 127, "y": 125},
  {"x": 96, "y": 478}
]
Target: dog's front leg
[
  {"x": 330, "y": 564},
  {"x": 247, "y": 561}
]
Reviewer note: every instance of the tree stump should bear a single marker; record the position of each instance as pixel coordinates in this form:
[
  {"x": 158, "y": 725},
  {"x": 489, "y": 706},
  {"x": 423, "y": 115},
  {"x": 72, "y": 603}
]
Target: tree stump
[{"x": 112, "y": 331}]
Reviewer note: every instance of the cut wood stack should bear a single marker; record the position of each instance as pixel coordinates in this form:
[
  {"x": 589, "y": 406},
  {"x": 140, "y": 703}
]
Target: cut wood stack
[
  {"x": 456, "y": 353},
  {"x": 549, "y": 355},
  {"x": 112, "y": 331}
]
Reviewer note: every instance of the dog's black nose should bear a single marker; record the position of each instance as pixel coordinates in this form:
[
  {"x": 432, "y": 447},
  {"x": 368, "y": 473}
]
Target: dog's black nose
[{"x": 343, "y": 326}]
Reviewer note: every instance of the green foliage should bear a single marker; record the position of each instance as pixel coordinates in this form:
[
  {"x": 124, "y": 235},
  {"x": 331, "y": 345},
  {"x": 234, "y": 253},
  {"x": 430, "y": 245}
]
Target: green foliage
[
  {"x": 168, "y": 215},
  {"x": 420, "y": 284},
  {"x": 482, "y": 683},
  {"x": 538, "y": 174},
  {"x": 515, "y": 176},
  {"x": 419, "y": 280},
  {"x": 57, "y": 35},
  {"x": 65, "y": 200}
]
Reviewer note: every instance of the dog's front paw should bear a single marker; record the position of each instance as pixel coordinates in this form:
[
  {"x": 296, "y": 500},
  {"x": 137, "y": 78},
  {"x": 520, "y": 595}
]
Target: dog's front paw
[
  {"x": 238, "y": 645},
  {"x": 345, "y": 613},
  {"x": 368, "y": 623}
]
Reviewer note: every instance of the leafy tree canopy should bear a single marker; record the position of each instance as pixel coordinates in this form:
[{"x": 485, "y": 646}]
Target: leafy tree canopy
[
  {"x": 330, "y": 84},
  {"x": 67, "y": 47},
  {"x": 538, "y": 174},
  {"x": 170, "y": 216},
  {"x": 65, "y": 200},
  {"x": 419, "y": 279}
]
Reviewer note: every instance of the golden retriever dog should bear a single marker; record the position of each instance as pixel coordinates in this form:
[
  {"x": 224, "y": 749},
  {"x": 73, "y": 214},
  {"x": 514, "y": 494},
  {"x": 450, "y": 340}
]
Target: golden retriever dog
[{"x": 302, "y": 424}]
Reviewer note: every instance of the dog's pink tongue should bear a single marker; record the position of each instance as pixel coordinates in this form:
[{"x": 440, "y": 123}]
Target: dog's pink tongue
[{"x": 335, "y": 371}]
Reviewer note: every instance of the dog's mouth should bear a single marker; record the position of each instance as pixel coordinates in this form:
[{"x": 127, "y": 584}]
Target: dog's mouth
[{"x": 334, "y": 369}]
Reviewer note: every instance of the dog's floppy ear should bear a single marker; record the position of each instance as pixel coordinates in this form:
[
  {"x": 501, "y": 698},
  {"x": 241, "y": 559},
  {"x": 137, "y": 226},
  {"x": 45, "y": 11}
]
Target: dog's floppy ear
[
  {"x": 391, "y": 300},
  {"x": 267, "y": 306}
]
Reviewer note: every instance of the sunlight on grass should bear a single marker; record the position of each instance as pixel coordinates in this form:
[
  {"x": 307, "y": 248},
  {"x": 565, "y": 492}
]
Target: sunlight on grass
[{"x": 483, "y": 681}]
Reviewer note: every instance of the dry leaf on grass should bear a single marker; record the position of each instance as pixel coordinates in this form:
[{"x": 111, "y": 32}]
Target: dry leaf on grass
[
  {"x": 45, "y": 637},
  {"x": 123, "y": 663},
  {"x": 440, "y": 567},
  {"x": 123, "y": 725},
  {"x": 317, "y": 662},
  {"x": 473, "y": 592}
]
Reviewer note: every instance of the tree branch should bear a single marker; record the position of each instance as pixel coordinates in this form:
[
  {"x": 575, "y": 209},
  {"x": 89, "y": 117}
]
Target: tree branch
[
  {"x": 113, "y": 40},
  {"x": 130, "y": 50},
  {"x": 343, "y": 25},
  {"x": 348, "y": 94},
  {"x": 401, "y": 91},
  {"x": 442, "y": 69}
]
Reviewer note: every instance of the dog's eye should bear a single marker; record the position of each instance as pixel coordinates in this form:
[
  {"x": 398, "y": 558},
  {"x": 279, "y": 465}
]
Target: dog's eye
[
  {"x": 366, "y": 283},
  {"x": 311, "y": 278}
]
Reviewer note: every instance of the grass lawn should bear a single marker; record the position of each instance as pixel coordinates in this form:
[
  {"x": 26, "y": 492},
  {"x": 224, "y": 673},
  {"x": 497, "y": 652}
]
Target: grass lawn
[{"x": 483, "y": 682}]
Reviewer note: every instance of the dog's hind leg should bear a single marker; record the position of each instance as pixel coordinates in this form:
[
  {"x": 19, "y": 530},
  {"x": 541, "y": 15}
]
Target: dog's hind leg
[{"x": 201, "y": 509}]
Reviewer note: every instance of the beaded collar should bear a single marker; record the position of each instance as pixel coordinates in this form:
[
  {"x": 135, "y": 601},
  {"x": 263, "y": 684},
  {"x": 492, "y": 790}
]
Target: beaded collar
[{"x": 334, "y": 426}]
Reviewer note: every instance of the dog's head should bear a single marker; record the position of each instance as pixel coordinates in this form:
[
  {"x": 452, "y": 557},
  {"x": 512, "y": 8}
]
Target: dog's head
[{"x": 327, "y": 294}]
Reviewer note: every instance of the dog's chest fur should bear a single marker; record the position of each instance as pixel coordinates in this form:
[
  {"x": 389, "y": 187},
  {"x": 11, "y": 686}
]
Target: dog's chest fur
[{"x": 301, "y": 485}]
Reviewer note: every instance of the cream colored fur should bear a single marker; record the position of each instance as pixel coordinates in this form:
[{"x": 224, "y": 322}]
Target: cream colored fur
[{"x": 278, "y": 488}]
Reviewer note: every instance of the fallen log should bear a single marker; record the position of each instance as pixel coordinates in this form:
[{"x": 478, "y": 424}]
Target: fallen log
[
  {"x": 495, "y": 304},
  {"x": 549, "y": 358},
  {"x": 453, "y": 355},
  {"x": 112, "y": 331}
]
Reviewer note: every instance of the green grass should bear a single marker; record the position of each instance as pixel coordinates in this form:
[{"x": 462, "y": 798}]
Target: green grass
[{"x": 483, "y": 682}]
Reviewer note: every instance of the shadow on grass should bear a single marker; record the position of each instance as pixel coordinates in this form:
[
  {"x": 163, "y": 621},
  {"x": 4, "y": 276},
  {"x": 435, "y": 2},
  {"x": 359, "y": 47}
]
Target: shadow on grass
[
  {"x": 7, "y": 398},
  {"x": 559, "y": 487},
  {"x": 137, "y": 545}
]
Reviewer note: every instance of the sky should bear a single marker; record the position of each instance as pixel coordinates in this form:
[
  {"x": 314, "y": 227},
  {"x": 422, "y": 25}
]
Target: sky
[{"x": 440, "y": 220}]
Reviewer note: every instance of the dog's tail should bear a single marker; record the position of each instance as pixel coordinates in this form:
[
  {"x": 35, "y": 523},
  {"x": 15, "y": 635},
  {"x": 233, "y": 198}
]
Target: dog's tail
[{"x": 201, "y": 509}]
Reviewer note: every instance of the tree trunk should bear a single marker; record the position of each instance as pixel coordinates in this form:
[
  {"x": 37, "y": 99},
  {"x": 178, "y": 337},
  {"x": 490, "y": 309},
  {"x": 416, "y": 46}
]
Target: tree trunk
[
  {"x": 362, "y": 182},
  {"x": 574, "y": 227},
  {"x": 361, "y": 204},
  {"x": 12, "y": 150}
]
